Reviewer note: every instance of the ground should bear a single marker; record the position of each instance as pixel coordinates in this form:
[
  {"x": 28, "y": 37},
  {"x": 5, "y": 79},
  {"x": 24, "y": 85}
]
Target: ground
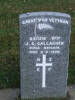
[
  {"x": 71, "y": 90},
  {"x": 12, "y": 94}
]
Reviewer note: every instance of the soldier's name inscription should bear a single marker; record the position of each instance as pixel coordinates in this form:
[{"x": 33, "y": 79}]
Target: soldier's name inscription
[{"x": 41, "y": 45}]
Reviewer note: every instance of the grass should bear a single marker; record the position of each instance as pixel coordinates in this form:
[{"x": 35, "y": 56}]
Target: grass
[{"x": 9, "y": 35}]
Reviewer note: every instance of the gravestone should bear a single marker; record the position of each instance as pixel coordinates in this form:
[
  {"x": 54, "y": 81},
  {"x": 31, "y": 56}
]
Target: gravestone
[{"x": 44, "y": 54}]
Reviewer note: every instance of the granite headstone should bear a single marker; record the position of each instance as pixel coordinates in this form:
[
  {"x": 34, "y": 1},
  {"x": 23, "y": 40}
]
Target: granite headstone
[{"x": 44, "y": 54}]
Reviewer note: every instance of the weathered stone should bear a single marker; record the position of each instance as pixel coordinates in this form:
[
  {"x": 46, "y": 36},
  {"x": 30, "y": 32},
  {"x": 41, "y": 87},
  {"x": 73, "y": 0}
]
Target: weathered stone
[{"x": 44, "y": 54}]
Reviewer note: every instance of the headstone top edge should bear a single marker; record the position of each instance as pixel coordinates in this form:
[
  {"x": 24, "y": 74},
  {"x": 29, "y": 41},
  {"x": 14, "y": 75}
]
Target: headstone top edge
[{"x": 44, "y": 13}]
